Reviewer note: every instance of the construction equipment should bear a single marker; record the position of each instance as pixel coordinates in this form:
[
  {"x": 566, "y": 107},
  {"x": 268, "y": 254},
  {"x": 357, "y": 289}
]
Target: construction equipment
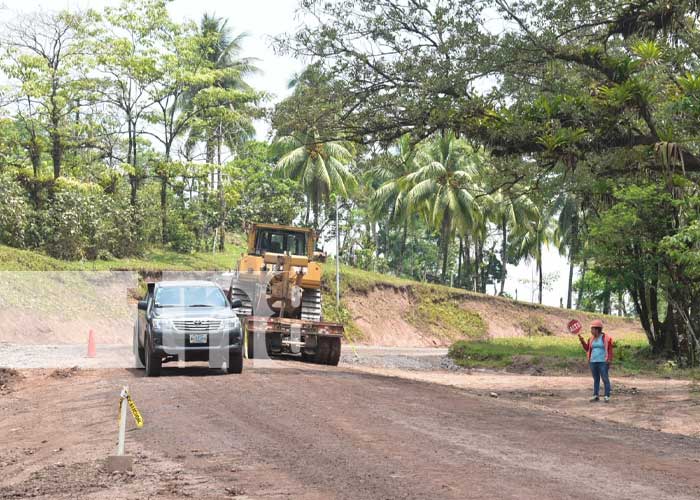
[{"x": 278, "y": 282}]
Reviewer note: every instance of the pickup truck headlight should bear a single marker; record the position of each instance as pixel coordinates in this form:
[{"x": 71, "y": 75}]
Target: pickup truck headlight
[
  {"x": 230, "y": 324},
  {"x": 159, "y": 324}
]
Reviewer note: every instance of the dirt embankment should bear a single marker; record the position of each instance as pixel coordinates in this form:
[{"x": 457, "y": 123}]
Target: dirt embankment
[
  {"x": 45, "y": 308},
  {"x": 386, "y": 315}
]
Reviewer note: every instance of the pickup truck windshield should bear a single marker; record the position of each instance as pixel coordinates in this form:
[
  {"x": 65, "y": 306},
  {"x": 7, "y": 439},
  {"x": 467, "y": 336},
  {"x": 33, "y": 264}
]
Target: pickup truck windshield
[{"x": 190, "y": 296}]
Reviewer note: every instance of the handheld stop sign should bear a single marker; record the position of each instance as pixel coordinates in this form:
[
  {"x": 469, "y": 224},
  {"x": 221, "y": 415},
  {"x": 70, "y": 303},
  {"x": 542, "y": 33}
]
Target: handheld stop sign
[{"x": 574, "y": 326}]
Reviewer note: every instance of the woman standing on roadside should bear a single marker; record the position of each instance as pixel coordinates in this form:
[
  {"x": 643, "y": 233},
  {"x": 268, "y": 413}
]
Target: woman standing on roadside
[{"x": 599, "y": 350}]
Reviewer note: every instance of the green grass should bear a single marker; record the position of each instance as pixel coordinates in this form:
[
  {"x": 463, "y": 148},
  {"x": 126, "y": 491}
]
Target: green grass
[
  {"x": 156, "y": 259},
  {"x": 437, "y": 308},
  {"x": 559, "y": 354},
  {"x": 359, "y": 280},
  {"x": 442, "y": 313}
]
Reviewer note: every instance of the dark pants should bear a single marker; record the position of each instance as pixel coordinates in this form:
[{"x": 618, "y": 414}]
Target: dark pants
[{"x": 600, "y": 370}]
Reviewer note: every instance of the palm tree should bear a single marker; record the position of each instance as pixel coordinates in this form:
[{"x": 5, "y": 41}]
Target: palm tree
[
  {"x": 531, "y": 240},
  {"x": 509, "y": 213},
  {"x": 392, "y": 195},
  {"x": 447, "y": 167},
  {"x": 321, "y": 167},
  {"x": 222, "y": 50},
  {"x": 570, "y": 233},
  {"x": 221, "y": 125}
]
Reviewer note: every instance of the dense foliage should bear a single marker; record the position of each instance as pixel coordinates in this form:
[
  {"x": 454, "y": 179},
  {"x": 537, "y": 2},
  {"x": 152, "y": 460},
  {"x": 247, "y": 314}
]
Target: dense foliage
[
  {"x": 585, "y": 111},
  {"x": 450, "y": 140}
]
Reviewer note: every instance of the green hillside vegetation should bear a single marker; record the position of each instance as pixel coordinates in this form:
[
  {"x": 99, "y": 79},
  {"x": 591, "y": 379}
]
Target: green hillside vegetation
[{"x": 12, "y": 259}]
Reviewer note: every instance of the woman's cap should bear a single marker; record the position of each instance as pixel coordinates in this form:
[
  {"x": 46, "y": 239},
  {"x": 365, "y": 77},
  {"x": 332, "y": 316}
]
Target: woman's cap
[{"x": 596, "y": 323}]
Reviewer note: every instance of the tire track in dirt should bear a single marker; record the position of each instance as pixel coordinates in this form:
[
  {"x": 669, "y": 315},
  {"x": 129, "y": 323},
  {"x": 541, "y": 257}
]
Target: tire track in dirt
[{"x": 360, "y": 436}]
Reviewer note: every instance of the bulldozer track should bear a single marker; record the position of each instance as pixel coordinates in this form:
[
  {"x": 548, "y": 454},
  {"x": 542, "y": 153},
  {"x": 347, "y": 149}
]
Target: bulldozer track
[
  {"x": 247, "y": 306},
  {"x": 311, "y": 304}
]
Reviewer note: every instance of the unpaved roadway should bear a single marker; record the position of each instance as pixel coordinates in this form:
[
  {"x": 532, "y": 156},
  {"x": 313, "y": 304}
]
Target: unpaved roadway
[{"x": 303, "y": 431}]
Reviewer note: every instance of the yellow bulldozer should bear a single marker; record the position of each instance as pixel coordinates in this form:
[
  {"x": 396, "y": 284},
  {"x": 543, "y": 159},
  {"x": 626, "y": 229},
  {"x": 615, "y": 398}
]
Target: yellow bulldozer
[{"x": 278, "y": 283}]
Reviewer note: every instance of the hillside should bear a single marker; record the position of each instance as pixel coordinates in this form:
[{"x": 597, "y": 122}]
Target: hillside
[
  {"x": 386, "y": 310},
  {"x": 376, "y": 309}
]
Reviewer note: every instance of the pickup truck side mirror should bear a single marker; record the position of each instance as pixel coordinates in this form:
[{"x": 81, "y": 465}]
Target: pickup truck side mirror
[
  {"x": 236, "y": 304},
  {"x": 143, "y": 305}
]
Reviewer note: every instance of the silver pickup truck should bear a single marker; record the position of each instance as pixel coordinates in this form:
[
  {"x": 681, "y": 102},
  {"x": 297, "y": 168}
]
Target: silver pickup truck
[{"x": 187, "y": 321}]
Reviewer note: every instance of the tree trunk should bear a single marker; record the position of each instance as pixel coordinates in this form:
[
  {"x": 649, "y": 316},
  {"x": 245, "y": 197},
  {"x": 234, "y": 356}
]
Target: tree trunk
[
  {"x": 445, "y": 236},
  {"x": 478, "y": 260},
  {"x": 539, "y": 270},
  {"x": 606, "y": 297},
  {"x": 35, "y": 157},
  {"x": 402, "y": 251},
  {"x": 620, "y": 304},
  {"x": 573, "y": 251},
  {"x": 504, "y": 247},
  {"x": 468, "y": 264},
  {"x": 163, "y": 209},
  {"x": 222, "y": 197},
  {"x": 316, "y": 209},
  {"x": 582, "y": 284},
  {"x": 134, "y": 182},
  {"x": 571, "y": 283},
  {"x": 56, "y": 154},
  {"x": 222, "y": 212},
  {"x": 459, "y": 261},
  {"x": 133, "y": 178}
]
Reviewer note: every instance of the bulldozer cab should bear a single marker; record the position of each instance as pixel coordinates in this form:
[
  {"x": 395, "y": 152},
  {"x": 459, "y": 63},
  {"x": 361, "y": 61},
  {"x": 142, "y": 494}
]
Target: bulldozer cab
[{"x": 264, "y": 238}]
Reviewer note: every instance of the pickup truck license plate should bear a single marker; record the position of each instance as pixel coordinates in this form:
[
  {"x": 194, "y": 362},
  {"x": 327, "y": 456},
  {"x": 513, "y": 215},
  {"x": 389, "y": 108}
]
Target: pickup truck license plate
[{"x": 198, "y": 338}]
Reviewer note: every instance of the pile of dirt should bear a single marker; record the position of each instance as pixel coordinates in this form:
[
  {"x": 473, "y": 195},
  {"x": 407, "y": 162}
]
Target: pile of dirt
[
  {"x": 65, "y": 372},
  {"x": 8, "y": 378}
]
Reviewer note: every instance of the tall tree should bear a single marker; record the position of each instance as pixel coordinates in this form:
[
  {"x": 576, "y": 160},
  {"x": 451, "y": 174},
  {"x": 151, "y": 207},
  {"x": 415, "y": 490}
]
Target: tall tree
[
  {"x": 392, "y": 195},
  {"x": 531, "y": 241},
  {"x": 444, "y": 179},
  {"x": 509, "y": 212},
  {"x": 321, "y": 168},
  {"x": 127, "y": 53},
  {"x": 225, "y": 109},
  {"x": 570, "y": 234},
  {"x": 46, "y": 59}
]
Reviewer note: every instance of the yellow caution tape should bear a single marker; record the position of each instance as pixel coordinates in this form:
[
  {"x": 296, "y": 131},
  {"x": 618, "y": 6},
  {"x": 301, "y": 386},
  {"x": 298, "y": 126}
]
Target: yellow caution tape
[{"x": 135, "y": 412}]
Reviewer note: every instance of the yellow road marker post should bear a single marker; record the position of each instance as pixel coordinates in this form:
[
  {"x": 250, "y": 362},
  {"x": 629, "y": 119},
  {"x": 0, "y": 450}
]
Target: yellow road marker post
[{"x": 121, "y": 462}]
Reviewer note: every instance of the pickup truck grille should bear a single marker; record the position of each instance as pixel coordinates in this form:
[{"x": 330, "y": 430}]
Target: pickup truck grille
[{"x": 197, "y": 325}]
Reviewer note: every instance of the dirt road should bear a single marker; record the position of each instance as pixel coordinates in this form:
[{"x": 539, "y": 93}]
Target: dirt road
[{"x": 302, "y": 431}]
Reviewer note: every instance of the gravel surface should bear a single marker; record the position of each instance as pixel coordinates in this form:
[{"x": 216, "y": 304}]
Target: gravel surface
[
  {"x": 312, "y": 432},
  {"x": 121, "y": 356},
  {"x": 65, "y": 356}
]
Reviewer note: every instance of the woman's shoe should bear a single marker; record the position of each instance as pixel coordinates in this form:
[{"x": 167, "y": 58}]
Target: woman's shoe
[
  {"x": 607, "y": 399},
  {"x": 594, "y": 399}
]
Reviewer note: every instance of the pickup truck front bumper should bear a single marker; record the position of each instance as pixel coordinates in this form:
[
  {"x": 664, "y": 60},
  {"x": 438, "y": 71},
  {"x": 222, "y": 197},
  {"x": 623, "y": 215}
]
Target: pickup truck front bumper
[{"x": 177, "y": 344}]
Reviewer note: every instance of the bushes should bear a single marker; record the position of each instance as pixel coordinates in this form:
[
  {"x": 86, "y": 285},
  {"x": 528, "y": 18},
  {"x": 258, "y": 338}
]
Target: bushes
[
  {"x": 14, "y": 213},
  {"x": 74, "y": 220}
]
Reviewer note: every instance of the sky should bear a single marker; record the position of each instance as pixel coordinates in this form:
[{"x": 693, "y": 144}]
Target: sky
[{"x": 262, "y": 20}]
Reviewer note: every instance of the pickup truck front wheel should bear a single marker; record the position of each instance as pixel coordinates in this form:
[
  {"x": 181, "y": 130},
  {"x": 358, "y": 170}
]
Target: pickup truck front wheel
[
  {"x": 235, "y": 362},
  {"x": 153, "y": 361},
  {"x": 139, "y": 353}
]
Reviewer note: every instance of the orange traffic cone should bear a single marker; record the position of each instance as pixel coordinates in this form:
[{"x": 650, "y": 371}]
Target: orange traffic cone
[{"x": 92, "y": 352}]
